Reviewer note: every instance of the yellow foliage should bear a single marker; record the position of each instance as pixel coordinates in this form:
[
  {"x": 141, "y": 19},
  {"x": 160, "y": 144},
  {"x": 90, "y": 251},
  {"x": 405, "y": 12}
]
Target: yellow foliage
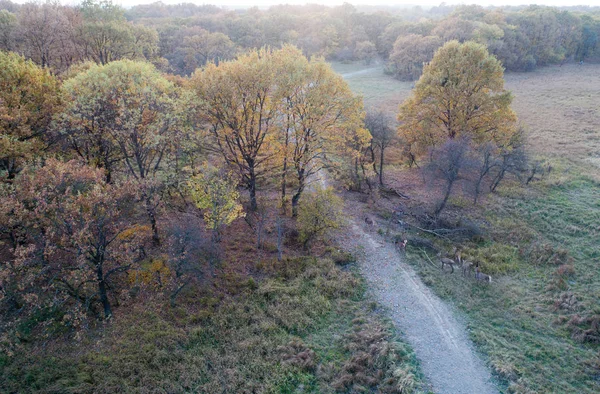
[
  {"x": 217, "y": 195},
  {"x": 154, "y": 273},
  {"x": 461, "y": 92}
]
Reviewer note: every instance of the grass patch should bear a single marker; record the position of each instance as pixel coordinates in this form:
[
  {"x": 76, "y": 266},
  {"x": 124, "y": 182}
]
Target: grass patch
[{"x": 538, "y": 321}]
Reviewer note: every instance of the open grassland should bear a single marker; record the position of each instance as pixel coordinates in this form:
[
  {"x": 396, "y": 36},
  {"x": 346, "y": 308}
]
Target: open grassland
[
  {"x": 304, "y": 326},
  {"x": 538, "y": 322},
  {"x": 558, "y": 106},
  {"x": 378, "y": 89}
]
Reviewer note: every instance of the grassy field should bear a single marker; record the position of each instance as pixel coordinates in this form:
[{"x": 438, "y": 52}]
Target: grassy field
[
  {"x": 538, "y": 323},
  {"x": 378, "y": 90},
  {"x": 557, "y": 105}
]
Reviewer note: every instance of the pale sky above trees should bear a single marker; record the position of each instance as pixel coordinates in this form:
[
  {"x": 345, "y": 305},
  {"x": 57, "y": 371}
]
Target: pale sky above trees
[{"x": 423, "y": 3}]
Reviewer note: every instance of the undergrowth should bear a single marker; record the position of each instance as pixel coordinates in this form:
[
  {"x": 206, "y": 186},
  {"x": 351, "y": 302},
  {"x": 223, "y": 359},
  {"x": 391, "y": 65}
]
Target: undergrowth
[{"x": 306, "y": 326}]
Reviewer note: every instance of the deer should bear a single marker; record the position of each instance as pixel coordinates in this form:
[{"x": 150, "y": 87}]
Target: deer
[
  {"x": 480, "y": 275},
  {"x": 484, "y": 277},
  {"x": 446, "y": 261},
  {"x": 401, "y": 245},
  {"x": 467, "y": 266}
]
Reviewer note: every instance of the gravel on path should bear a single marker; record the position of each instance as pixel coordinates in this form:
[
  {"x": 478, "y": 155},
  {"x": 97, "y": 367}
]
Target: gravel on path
[{"x": 438, "y": 338}]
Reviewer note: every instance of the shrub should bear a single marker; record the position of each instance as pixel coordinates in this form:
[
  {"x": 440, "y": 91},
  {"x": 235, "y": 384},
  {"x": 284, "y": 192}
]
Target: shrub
[{"x": 319, "y": 215}]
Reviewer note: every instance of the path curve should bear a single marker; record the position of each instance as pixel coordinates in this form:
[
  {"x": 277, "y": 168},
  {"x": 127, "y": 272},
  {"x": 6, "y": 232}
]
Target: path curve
[
  {"x": 439, "y": 340},
  {"x": 360, "y": 72}
]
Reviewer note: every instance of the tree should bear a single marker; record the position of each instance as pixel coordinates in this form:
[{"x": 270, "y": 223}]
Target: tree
[
  {"x": 448, "y": 163},
  {"x": 319, "y": 114},
  {"x": 216, "y": 193},
  {"x": 125, "y": 113},
  {"x": 235, "y": 102},
  {"x": 322, "y": 213},
  {"x": 46, "y": 31},
  {"x": 204, "y": 47},
  {"x": 380, "y": 125},
  {"x": 365, "y": 51},
  {"x": 461, "y": 93},
  {"x": 410, "y": 53},
  {"x": 78, "y": 238},
  {"x": 8, "y": 24},
  {"x": 28, "y": 99},
  {"x": 107, "y": 36}
]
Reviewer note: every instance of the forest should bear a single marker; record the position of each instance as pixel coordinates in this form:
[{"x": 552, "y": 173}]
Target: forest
[{"x": 178, "y": 184}]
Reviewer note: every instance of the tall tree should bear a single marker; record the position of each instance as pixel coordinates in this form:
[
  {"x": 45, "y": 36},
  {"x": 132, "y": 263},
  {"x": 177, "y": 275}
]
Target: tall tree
[
  {"x": 237, "y": 107},
  {"x": 107, "y": 36},
  {"x": 410, "y": 53},
  {"x": 124, "y": 114},
  {"x": 381, "y": 127},
  {"x": 8, "y": 25},
  {"x": 461, "y": 92},
  {"x": 28, "y": 99},
  {"x": 319, "y": 111}
]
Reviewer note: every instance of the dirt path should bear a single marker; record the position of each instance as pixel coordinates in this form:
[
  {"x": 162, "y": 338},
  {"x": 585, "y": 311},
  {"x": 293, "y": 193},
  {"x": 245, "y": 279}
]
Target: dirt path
[
  {"x": 355, "y": 73},
  {"x": 440, "y": 341}
]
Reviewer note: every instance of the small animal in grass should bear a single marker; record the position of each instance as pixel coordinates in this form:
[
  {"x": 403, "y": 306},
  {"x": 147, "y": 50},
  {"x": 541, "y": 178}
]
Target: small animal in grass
[
  {"x": 446, "y": 261},
  {"x": 369, "y": 221},
  {"x": 457, "y": 255},
  {"x": 480, "y": 275},
  {"x": 401, "y": 245},
  {"x": 484, "y": 277},
  {"x": 467, "y": 267}
]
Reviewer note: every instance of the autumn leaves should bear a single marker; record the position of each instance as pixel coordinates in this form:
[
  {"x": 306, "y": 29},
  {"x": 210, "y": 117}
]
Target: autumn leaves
[{"x": 276, "y": 115}]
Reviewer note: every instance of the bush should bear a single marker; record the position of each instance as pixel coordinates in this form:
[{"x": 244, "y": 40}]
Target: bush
[{"x": 319, "y": 215}]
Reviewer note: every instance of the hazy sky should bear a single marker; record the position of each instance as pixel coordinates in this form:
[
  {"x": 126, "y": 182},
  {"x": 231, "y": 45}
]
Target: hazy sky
[
  {"x": 426, "y": 3},
  {"x": 262, "y": 3}
]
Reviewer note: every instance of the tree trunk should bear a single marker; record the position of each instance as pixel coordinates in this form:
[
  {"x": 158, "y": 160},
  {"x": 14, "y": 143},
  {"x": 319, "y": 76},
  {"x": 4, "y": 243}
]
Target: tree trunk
[
  {"x": 102, "y": 291},
  {"x": 295, "y": 200},
  {"x": 283, "y": 186},
  {"x": 296, "y": 196},
  {"x": 445, "y": 200},
  {"x": 381, "y": 166},
  {"x": 152, "y": 216}
]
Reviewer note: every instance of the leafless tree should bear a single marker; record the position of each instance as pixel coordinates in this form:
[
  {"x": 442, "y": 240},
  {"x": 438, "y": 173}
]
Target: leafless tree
[
  {"x": 382, "y": 129},
  {"x": 447, "y": 163}
]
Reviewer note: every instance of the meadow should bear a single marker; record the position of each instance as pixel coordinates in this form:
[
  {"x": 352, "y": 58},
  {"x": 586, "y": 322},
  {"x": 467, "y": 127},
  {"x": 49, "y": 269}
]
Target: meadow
[{"x": 537, "y": 322}]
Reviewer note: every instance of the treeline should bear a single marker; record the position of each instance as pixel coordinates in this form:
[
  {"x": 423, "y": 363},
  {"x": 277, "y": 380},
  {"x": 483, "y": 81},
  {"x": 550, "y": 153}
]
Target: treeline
[{"x": 180, "y": 38}]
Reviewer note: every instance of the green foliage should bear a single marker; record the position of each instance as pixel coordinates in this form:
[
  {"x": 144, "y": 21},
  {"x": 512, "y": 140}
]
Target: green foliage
[
  {"x": 28, "y": 99},
  {"x": 216, "y": 193},
  {"x": 321, "y": 213}
]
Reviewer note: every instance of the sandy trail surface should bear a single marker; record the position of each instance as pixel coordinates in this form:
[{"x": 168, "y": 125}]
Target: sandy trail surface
[{"x": 437, "y": 336}]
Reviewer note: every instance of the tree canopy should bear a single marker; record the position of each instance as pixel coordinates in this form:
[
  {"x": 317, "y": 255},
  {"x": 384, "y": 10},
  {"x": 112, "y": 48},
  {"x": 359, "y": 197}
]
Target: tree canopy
[{"x": 461, "y": 92}]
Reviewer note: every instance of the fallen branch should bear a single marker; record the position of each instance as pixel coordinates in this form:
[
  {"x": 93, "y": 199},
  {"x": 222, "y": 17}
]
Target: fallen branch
[
  {"x": 426, "y": 255},
  {"x": 391, "y": 190},
  {"x": 432, "y": 232}
]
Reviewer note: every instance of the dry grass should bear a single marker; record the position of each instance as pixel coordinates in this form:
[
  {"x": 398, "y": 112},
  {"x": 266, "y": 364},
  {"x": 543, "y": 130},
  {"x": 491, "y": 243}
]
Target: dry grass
[
  {"x": 557, "y": 105},
  {"x": 560, "y": 108}
]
